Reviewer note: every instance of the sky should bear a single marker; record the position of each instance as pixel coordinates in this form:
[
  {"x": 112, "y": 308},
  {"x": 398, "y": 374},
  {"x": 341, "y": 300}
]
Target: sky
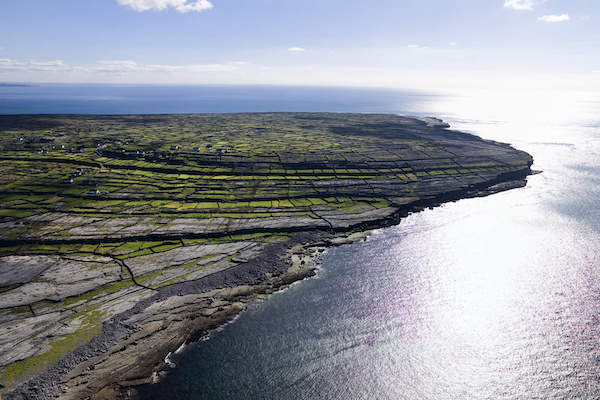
[{"x": 372, "y": 43}]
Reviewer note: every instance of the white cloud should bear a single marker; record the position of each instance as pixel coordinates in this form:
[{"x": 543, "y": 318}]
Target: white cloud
[
  {"x": 127, "y": 66},
  {"x": 554, "y": 18},
  {"x": 296, "y": 49},
  {"x": 7, "y": 64},
  {"x": 121, "y": 71},
  {"x": 418, "y": 46},
  {"x": 183, "y": 6},
  {"x": 521, "y": 5},
  {"x": 453, "y": 44},
  {"x": 110, "y": 67}
]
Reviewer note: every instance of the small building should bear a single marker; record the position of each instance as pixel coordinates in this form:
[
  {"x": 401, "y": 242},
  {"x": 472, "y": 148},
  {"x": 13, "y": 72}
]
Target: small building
[
  {"x": 94, "y": 192},
  {"x": 208, "y": 146},
  {"x": 174, "y": 147},
  {"x": 196, "y": 149},
  {"x": 68, "y": 180}
]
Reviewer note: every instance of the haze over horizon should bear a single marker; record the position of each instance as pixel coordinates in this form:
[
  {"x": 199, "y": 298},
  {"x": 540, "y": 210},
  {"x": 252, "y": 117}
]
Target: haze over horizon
[{"x": 410, "y": 44}]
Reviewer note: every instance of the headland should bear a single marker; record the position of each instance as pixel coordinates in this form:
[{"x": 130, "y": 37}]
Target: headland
[{"x": 124, "y": 237}]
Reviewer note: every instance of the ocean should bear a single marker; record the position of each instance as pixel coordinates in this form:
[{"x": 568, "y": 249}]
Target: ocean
[
  {"x": 126, "y": 99},
  {"x": 486, "y": 298}
]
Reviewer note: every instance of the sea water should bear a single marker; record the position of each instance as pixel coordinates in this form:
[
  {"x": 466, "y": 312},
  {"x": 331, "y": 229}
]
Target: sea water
[{"x": 150, "y": 99}]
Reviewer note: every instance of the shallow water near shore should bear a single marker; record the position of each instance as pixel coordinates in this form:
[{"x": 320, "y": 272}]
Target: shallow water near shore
[{"x": 486, "y": 298}]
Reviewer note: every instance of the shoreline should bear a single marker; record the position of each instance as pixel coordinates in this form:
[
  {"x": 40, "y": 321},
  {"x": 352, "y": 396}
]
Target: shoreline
[
  {"x": 185, "y": 239},
  {"x": 221, "y": 296}
]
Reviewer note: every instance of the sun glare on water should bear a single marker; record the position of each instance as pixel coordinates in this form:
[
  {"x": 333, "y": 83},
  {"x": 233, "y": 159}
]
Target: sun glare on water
[{"x": 505, "y": 286}]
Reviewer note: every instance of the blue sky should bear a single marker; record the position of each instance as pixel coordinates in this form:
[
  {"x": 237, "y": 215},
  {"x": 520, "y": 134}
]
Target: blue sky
[{"x": 389, "y": 43}]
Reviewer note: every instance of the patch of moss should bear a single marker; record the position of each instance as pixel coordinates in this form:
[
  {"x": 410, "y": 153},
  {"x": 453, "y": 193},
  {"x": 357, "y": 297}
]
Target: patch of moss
[
  {"x": 101, "y": 291},
  {"x": 20, "y": 370}
]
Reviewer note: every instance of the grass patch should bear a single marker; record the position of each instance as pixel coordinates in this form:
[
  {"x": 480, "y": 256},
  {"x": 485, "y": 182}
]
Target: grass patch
[{"x": 19, "y": 371}]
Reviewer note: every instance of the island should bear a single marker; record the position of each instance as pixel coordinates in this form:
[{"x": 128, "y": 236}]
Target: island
[{"x": 124, "y": 237}]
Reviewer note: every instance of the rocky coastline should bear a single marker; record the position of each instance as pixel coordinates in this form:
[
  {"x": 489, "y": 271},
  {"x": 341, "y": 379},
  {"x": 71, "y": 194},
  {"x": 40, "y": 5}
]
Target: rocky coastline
[
  {"x": 188, "y": 316},
  {"x": 216, "y": 263}
]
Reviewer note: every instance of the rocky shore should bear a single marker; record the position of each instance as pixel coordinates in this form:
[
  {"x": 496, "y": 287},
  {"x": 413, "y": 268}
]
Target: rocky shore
[
  {"x": 100, "y": 302},
  {"x": 135, "y": 345}
]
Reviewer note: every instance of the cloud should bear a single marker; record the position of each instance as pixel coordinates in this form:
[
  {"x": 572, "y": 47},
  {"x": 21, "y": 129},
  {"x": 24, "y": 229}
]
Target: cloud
[
  {"x": 7, "y": 64},
  {"x": 413, "y": 46},
  {"x": 554, "y": 18},
  {"x": 111, "y": 67},
  {"x": 521, "y": 5},
  {"x": 296, "y": 49},
  {"x": 183, "y": 6},
  {"x": 127, "y": 66}
]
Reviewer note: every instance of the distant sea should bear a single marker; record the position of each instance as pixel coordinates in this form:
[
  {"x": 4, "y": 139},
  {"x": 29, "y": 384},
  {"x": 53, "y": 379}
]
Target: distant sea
[
  {"x": 487, "y": 298},
  {"x": 148, "y": 99}
]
